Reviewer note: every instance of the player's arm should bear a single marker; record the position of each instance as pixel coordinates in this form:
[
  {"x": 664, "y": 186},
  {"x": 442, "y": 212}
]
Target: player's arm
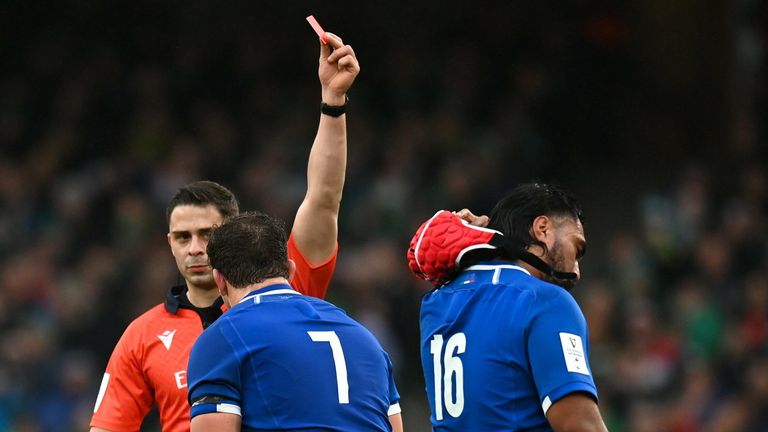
[
  {"x": 219, "y": 422},
  {"x": 213, "y": 374},
  {"x": 396, "y": 421},
  {"x": 558, "y": 351},
  {"x": 316, "y": 225},
  {"x": 394, "y": 412},
  {"x": 576, "y": 412},
  {"x": 95, "y": 429}
]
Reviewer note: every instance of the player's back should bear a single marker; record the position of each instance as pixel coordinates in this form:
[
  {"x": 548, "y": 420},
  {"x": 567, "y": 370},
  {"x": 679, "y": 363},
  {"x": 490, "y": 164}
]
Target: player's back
[
  {"x": 474, "y": 342},
  {"x": 305, "y": 365}
]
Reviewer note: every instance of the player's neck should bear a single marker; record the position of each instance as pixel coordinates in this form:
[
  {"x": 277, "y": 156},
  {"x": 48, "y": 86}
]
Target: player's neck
[
  {"x": 533, "y": 271},
  {"x": 202, "y": 297}
]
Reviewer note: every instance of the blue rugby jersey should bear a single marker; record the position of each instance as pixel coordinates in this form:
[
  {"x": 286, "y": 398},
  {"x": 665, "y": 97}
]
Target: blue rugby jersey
[
  {"x": 283, "y": 361},
  {"x": 499, "y": 347}
]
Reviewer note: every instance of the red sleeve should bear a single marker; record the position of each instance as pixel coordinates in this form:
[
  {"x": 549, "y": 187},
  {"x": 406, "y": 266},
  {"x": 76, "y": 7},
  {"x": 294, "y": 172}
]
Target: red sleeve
[
  {"x": 124, "y": 397},
  {"x": 311, "y": 279}
]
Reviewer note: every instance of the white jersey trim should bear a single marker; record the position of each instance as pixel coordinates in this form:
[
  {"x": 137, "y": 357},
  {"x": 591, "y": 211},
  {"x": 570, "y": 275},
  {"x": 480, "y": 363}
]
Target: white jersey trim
[
  {"x": 546, "y": 404},
  {"x": 102, "y": 391},
  {"x": 257, "y": 297},
  {"x": 498, "y": 267},
  {"x": 229, "y": 409},
  {"x": 394, "y": 409}
]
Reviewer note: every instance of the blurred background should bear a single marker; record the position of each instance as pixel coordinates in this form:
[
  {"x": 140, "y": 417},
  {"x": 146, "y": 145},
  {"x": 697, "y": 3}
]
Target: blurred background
[{"x": 649, "y": 111}]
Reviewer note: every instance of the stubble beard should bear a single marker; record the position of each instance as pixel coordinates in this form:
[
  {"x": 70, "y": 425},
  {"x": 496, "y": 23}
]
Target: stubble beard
[
  {"x": 556, "y": 260},
  {"x": 201, "y": 281}
]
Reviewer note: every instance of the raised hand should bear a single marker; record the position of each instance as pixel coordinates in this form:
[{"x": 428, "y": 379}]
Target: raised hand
[
  {"x": 471, "y": 218},
  {"x": 337, "y": 70}
]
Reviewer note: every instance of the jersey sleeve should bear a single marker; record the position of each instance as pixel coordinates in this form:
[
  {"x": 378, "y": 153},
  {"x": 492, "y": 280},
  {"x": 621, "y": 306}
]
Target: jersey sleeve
[
  {"x": 558, "y": 347},
  {"x": 125, "y": 396},
  {"x": 213, "y": 374},
  {"x": 394, "y": 395},
  {"x": 311, "y": 279}
]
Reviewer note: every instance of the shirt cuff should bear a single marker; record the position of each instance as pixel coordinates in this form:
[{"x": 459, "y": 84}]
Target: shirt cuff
[
  {"x": 565, "y": 390},
  {"x": 229, "y": 407},
  {"x": 394, "y": 409}
]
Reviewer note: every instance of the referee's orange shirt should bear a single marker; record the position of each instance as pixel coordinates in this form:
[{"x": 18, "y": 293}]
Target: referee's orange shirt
[{"x": 149, "y": 363}]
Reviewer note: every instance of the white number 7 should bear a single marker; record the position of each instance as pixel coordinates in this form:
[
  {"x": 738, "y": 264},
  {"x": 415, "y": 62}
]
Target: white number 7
[{"x": 338, "y": 361}]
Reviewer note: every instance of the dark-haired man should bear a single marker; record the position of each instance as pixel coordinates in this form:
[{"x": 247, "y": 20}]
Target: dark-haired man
[
  {"x": 249, "y": 370},
  {"x": 148, "y": 365},
  {"x": 504, "y": 345}
]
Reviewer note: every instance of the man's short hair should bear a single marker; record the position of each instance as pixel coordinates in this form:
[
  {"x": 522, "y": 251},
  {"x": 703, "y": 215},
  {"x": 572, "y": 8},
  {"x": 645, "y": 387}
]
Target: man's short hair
[
  {"x": 249, "y": 248},
  {"x": 203, "y": 193},
  {"x": 513, "y": 215}
]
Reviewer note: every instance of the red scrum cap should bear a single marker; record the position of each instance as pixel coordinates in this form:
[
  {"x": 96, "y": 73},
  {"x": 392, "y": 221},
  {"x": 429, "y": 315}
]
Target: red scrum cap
[{"x": 440, "y": 243}]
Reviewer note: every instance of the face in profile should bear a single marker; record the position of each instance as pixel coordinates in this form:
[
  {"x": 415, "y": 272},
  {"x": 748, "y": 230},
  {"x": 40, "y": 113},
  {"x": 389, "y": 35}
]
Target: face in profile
[
  {"x": 188, "y": 230},
  {"x": 566, "y": 249}
]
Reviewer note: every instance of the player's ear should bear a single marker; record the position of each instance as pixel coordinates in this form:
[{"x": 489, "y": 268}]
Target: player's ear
[
  {"x": 541, "y": 228},
  {"x": 291, "y": 269},
  {"x": 168, "y": 236},
  {"x": 221, "y": 282}
]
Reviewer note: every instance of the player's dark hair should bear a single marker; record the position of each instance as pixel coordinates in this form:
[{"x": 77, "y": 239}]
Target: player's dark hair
[
  {"x": 203, "y": 193},
  {"x": 513, "y": 215},
  {"x": 249, "y": 248}
]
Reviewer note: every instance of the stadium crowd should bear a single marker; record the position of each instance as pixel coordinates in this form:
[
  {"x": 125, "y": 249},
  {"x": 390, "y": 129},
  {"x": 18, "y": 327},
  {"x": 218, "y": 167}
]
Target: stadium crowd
[{"x": 105, "y": 112}]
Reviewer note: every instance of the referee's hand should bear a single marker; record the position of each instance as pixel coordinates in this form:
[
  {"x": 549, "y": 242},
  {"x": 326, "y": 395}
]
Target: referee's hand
[{"x": 337, "y": 69}]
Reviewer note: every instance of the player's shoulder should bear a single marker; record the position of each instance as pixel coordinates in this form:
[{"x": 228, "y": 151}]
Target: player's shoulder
[
  {"x": 297, "y": 306},
  {"x": 546, "y": 289},
  {"x": 522, "y": 284},
  {"x": 546, "y": 296}
]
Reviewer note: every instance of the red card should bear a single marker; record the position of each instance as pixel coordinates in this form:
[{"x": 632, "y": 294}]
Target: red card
[{"x": 319, "y": 30}]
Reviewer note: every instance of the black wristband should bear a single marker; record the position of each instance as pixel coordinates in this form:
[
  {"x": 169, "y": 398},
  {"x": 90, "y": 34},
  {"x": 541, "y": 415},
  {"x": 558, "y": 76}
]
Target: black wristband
[{"x": 334, "y": 110}]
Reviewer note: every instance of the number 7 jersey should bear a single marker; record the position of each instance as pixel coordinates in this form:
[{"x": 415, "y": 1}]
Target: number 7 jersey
[
  {"x": 284, "y": 361},
  {"x": 498, "y": 348}
]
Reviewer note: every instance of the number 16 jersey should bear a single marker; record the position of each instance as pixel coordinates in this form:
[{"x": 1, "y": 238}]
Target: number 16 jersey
[{"x": 498, "y": 348}]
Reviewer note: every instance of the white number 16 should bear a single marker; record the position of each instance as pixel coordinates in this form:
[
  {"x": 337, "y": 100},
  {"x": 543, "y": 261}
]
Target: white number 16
[{"x": 453, "y": 367}]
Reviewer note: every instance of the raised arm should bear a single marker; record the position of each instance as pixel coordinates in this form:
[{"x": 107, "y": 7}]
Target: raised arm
[{"x": 315, "y": 228}]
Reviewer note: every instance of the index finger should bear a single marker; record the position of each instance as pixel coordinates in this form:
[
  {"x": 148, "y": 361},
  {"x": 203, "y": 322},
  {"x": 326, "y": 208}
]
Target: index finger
[{"x": 333, "y": 40}]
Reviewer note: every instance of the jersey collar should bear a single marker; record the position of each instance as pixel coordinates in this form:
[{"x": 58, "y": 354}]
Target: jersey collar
[
  {"x": 276, "y": 289},
  {"x": 176, "y": 298},
  {"x": 487, "y": 271},
  {"x": 491, "y": 265}
]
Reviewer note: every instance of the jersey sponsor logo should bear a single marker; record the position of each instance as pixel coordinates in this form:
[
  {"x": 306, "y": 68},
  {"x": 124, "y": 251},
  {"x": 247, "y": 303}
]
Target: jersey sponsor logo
[
  {"x": 167, "y": 338},
  {"x": 573, "y": 352}
]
